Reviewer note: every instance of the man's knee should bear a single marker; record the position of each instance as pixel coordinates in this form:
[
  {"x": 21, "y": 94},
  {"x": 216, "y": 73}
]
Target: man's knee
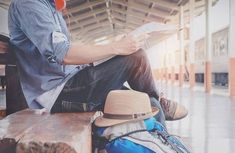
[
  {"x": 139, "y": 53},
  {"x": 132, "y": 59}
]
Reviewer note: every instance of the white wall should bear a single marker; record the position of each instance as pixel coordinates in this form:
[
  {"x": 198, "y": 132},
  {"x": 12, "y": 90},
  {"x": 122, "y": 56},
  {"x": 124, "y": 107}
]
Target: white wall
[
  {"x": 220, "y": 20},
  {"x": 3, "y": 21},
  {"x": 159, "y": 53},
  {"x": 232, "y": 30}
]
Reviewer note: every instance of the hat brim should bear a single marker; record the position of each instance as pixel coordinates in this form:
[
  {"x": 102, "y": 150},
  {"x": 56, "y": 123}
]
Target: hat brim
[{"x": 104, "y": 122}]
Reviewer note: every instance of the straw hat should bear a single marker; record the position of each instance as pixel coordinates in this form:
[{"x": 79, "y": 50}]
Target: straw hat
[{"x": 124, "y": 106}]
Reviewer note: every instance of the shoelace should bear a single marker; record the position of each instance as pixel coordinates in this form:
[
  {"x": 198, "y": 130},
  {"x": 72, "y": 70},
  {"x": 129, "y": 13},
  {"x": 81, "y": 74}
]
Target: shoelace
[{"x": 165, "y": 103}]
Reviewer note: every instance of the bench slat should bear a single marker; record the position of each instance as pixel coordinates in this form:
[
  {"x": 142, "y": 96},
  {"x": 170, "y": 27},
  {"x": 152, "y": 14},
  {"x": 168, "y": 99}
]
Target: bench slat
[
  {"x": 60, "y": 133},
  {"x": 13, "y": 126}
]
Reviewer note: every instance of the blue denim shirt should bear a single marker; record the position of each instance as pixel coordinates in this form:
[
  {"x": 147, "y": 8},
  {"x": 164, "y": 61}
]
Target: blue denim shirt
[{"x": 41, "y": 39}]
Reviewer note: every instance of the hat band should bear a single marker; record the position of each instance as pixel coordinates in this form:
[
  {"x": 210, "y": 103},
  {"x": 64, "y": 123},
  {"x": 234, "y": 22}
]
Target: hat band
[{"x": 125, "y": 117}]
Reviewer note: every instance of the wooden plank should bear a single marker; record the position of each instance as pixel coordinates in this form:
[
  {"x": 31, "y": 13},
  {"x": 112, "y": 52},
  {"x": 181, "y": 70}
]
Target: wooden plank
[
  {"x": 59, "y": 133},
  {"x": 29, "y": 131},
  {"x": 13, "y": 126}
]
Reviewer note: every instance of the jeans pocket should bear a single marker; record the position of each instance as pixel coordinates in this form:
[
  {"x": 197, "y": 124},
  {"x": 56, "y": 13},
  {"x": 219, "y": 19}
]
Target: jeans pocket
[{"x": 69, "y": 106}]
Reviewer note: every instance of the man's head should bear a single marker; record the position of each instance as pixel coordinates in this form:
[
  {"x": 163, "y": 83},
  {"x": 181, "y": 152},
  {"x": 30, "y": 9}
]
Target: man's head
[{"x": 60, "y": 4}]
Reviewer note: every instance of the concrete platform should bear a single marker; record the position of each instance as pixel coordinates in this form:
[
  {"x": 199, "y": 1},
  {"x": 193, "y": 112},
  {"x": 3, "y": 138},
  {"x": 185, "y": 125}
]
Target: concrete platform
[{"x": 210, "y": 124}]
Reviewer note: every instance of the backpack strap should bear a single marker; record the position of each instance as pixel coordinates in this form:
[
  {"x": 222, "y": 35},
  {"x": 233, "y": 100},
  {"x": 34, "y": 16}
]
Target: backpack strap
[
  {"x": 100, "y": 142},
  {"x": 127, "y": 134}
]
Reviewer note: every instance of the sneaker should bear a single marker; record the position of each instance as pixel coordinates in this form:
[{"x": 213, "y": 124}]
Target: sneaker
[{"x": 172, "y": 110}]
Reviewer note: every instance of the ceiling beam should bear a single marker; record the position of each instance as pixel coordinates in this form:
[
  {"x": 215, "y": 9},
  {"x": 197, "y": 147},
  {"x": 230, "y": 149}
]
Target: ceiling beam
[
  {"x": 166, "y": 4},
  {"x": 151, "y": 7},
  {"x": 85, "y": 15},
  {"x": 5, "y": 4},
  {"x": 89, "y": 21},
  {"x": 85, "y": 6},
  {"x": 108, "y": 3},
  {"x": 199, "y": 8},
  {"x": 90, "y": 28},
  {"x": 134, "y": 21},
  {"x": 124, "y": 25},
  {"x": 143, "y": 9},
  {"x": 138, "y": 16}
]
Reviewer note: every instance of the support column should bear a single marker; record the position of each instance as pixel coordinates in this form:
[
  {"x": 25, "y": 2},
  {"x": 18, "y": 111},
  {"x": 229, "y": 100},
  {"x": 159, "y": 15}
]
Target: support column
[
  {"x": 161, "y": 74},
  {"x": 192, "y": 75},
  {"x": 155, "y": 74},
  {"x": 166, "y": 73},
  {"x": 231, "y": 77},
  {"x": 207, "y": 73},
  {"x": 172, "y": 74},
  {"x": 181, "y": 76},
  {"x": 181, "y": 38},
  {"x": 232, "y": 49},
  {"x": 157, "y": 77},
  {"x": 191, "y": 45}
]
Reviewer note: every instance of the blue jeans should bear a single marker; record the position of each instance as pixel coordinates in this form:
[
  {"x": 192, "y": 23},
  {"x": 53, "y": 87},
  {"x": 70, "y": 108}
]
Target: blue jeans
[{"x": 87, "y": 90}]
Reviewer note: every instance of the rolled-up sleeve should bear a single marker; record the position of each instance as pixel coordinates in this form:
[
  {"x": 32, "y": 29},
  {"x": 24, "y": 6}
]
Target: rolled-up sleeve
[{"x": 39, "y": 25}]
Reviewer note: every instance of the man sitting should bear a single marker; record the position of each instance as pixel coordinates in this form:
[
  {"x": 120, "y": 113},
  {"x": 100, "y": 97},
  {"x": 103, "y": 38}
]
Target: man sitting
[{"x": 56, "y": 74}]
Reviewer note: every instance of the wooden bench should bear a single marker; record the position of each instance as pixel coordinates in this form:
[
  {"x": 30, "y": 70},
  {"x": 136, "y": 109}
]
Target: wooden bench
[
  {"x": 28, "y": 131},
  {"x": 15, "y": 100}
]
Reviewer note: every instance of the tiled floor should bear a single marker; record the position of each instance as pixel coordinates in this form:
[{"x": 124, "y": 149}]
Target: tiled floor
[{"x": 210, "y": 124}]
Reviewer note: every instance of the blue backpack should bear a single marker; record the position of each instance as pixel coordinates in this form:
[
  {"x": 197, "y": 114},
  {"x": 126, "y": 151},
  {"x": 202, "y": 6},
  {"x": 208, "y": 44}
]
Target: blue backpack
[{"x": 165, "y": 141}]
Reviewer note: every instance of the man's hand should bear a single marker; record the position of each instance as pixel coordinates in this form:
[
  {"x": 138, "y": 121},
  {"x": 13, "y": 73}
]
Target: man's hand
[{"x": 129, "y": 44}]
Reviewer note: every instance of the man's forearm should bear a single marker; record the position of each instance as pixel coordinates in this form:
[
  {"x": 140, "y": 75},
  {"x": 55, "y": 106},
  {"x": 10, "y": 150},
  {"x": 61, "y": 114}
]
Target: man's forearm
[{"x": 84, "y": 54}]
